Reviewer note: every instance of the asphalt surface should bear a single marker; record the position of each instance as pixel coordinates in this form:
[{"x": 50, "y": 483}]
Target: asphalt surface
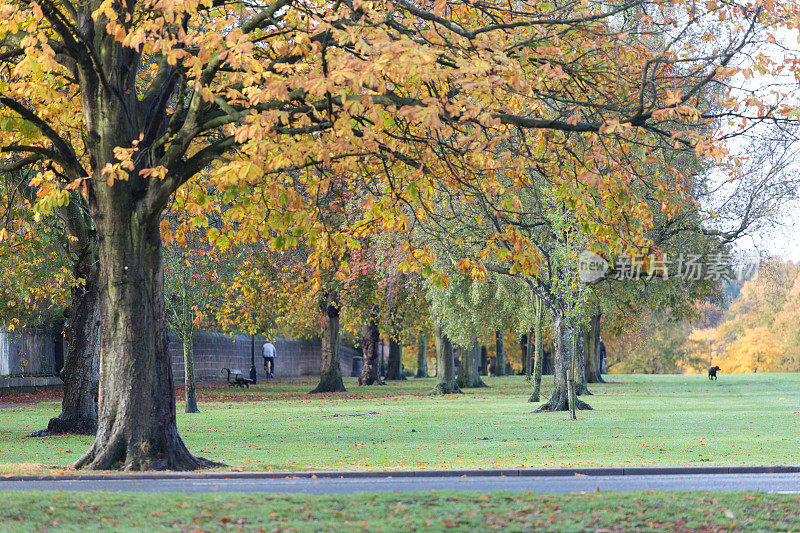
[{"x": 766, "y": 482}]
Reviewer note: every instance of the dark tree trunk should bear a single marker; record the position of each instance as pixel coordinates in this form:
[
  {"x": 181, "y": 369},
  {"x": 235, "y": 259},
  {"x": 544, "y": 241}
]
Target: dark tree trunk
[
  {"x": 562, "y": 338},
  {"x": 537, "y": 351},
  {"x": 370, "y": 336},
  {"x": 81, "y": 373},
  {"x": 136, "y": 426},
  {"x": 394, "y": 367},
  {"x": 523, "y": 346},
  {"x": 81, "y": 369},
  {"x": 445, "y": 365},
  {"x": 529, "y": 355},
  {"x": 330, "y": 379},
  {"x": 188, "y": 373},
  {"x": 593, "y": 359},
  {"x": 435, "y": 360},
  {"x": 382, "y": 357},
  {"x": 484, "y": 362},
  {"x": 422, "y": 356},
  {"x": 500, "y": 353},
  {"x": 571, "y": 381},
  {"x": 468, "y": 376},
  {"x": 580, "y": 361}
]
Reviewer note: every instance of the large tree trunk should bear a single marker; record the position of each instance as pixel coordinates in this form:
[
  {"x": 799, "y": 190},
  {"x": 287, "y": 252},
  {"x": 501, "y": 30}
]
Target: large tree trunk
[
  {"x": 593, "y": 359},
  {"x": 562, "y": 338},
  {"x": 394, "y": 367},
  {"x": 571, "y": 381},
  {"x": 81, "y": 373},
  {"x": 445, "y": 365},
  {"x": 330, "y": 379},
  {"x": 422, "y": 356},
  {"x": 537, "y": 351},
  {"x": 382, "y": 359},
  {"x": 529, "y": 355},
  {"x": 136, "y": 427},
  {"x": 579, "y": 361},
  {"x": 436, "y": 360},
  {"x": 188, "y": 373},
  {"x": 468, "y": 376},
  {"x": 370, "y": 336},
  {"x": 500, "y": 353},
  {"x": 81, "y": 370}
]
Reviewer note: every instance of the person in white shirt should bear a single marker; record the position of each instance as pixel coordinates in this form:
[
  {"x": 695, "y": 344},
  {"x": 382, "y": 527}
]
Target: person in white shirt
[{"x": 269, "y": 358}]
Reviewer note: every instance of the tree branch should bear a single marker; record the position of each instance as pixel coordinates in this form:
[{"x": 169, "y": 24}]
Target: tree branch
[{"x": 66, "y": 156}]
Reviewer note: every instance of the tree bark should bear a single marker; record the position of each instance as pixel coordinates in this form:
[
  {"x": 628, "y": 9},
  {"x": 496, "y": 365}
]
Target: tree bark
[
  {"x": 500, "y": 353},
  {"x": 468, "y": 376},
  {"x": 81, "y": 373},
  {"x": 137, "y": 426},
  {"x": 593, "y": 360},
  {"x": 562, "y": 338},
  {"x": 81, "y": 369},
  {"x": 422, "y": 356},
  {"x": 445, "y": 365},
  {"x": 188, "y": 373},
  {"x": 381, "y": 358},
  {"x": 579, "y": 361},
  {"x": 370, "y": 336},
  {"x": 483, "y": 367},
  {"x": 571, "y": 381},
  {"x": 537, "y": 351},
  {"x": 394, "y": 366},
  {"x": 529, "y": 355},
  {"x": 330, "y": 379},
  {"x": 436, "y": 366}
]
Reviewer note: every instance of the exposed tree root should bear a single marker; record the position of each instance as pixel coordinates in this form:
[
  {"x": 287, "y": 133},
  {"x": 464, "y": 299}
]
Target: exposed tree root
[
  {"x": 329, "y": 384},
  {"x": 445, "y": 388},
  {"x": 60, "y": 426},
  {"x": 119, "y": 454},
  {"x": 475, "y": 384},
  {"x": 560, "y": 402},
  {"x": 367, "y": 383}
]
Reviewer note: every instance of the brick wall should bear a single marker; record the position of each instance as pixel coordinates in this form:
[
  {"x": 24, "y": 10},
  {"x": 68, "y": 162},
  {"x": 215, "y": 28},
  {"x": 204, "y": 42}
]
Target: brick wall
[
  {"x": 27, "y": 352},
  {"x": 31, "y": 352},
  {"x": 214, "y": 351}
]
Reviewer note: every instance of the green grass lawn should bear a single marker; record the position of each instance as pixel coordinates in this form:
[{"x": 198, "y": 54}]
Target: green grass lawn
[
  {"x": 638, "y": 420},
  {"x": 432, "y": 511}
]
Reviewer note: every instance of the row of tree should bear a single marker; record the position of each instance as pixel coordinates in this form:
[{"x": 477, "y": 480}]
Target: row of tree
[{"x": 483, "y": 147}]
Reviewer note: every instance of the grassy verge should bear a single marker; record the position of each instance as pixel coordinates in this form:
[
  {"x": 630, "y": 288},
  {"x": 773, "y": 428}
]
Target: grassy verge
[
  {"x": 638, "y": 420},
  {"x": 432, "y": 511}
]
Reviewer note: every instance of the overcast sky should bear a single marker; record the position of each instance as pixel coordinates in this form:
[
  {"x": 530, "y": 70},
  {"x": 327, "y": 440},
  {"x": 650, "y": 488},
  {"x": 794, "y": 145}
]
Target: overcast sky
[{"x": 783, "y": 240}]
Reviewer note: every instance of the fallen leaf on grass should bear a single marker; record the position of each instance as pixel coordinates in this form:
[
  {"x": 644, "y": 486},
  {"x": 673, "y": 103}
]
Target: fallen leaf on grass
[{"x": 335, "y": 415}]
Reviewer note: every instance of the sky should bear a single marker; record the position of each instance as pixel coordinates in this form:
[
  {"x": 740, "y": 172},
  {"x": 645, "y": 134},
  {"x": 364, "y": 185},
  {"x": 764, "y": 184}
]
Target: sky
[{"x": 783, "y": 240}]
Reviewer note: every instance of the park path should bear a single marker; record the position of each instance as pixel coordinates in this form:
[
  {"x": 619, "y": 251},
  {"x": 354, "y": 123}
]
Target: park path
[{"x": 765, "y": 482}]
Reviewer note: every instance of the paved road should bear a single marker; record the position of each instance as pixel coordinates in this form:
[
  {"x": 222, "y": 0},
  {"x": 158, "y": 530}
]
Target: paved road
[{"x": 785, "y": 483}]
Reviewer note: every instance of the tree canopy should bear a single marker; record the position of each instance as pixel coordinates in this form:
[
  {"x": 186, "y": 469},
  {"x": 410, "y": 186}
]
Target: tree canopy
[{"x": 321, "y": 123}]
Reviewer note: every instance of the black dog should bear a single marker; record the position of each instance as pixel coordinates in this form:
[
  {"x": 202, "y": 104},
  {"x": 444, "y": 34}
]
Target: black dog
[{"x": 712, "y": 372}]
